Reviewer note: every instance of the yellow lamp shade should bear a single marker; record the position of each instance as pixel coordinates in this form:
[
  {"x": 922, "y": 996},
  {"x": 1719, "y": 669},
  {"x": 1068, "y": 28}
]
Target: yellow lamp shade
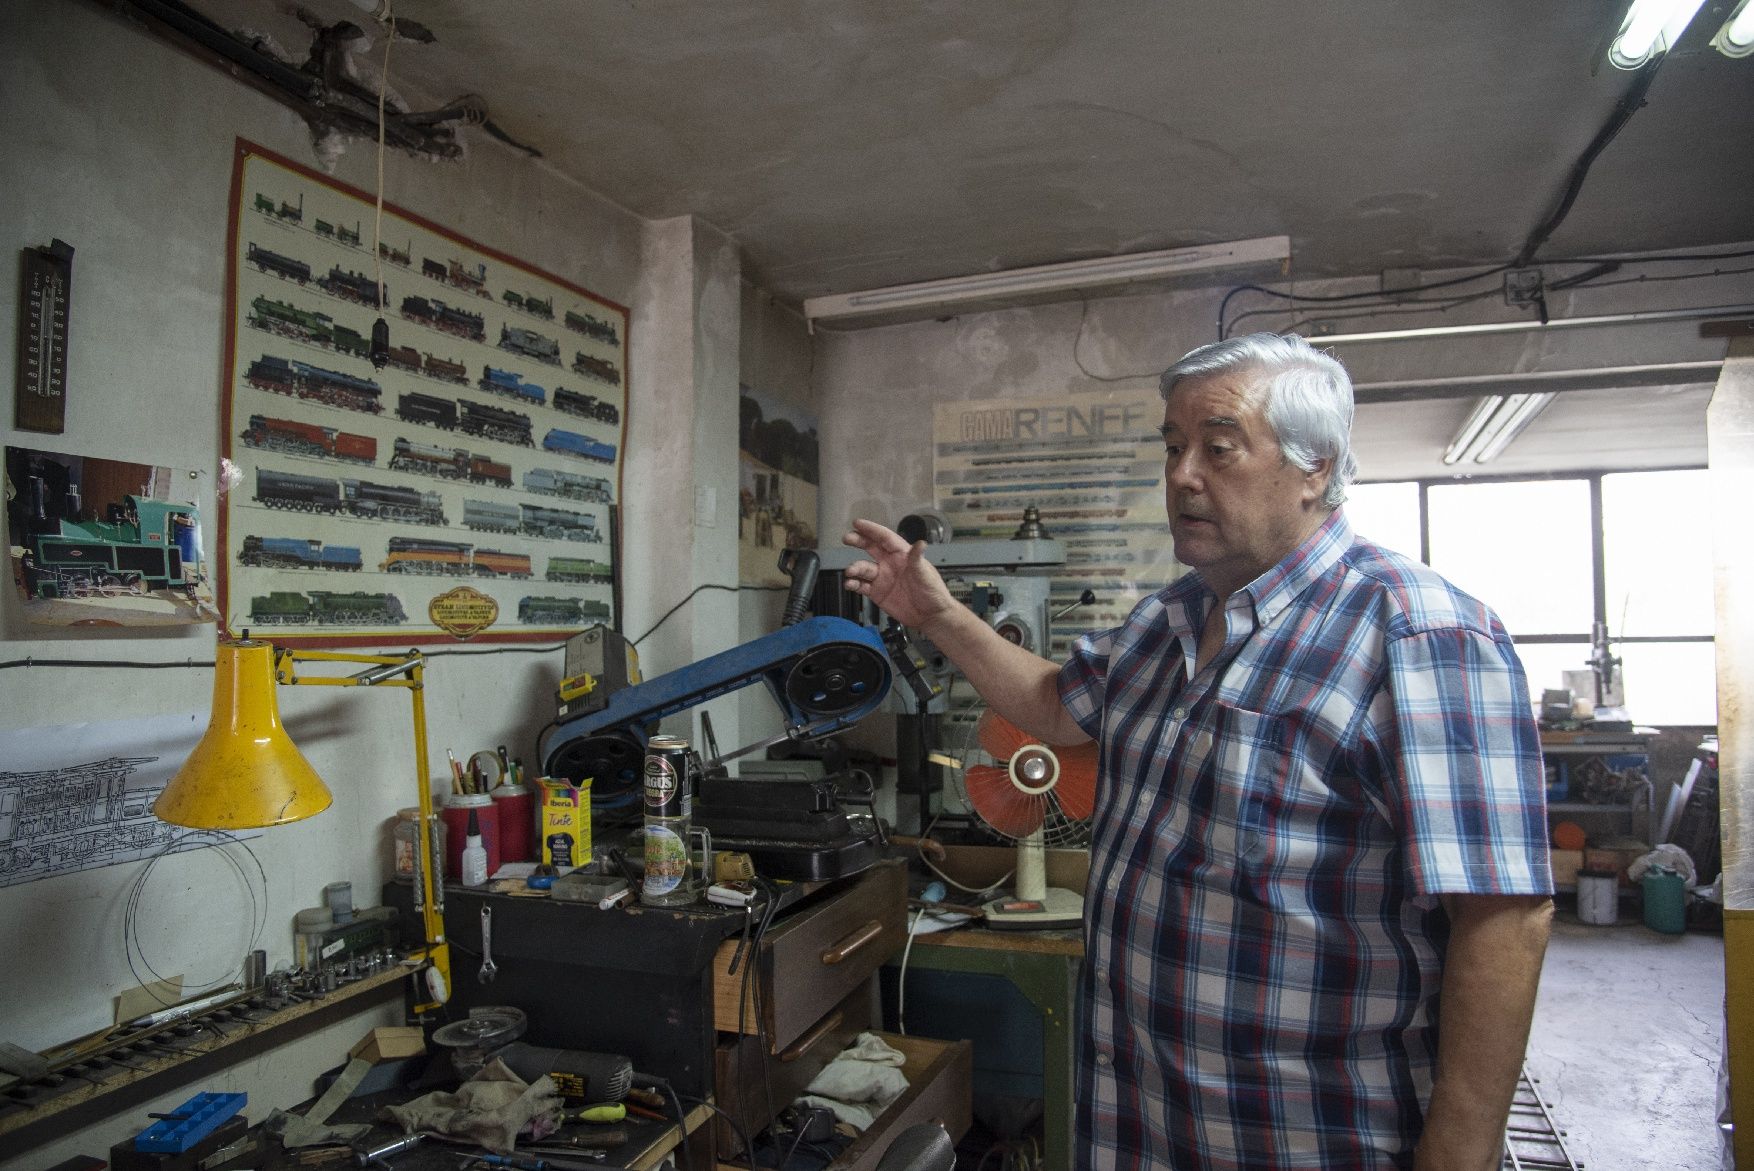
[{"x": 246, "y": 773}]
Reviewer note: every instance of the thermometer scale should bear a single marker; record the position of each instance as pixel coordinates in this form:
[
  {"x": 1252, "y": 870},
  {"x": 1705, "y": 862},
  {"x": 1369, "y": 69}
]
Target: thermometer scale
[{"x": 45, "y": 304}]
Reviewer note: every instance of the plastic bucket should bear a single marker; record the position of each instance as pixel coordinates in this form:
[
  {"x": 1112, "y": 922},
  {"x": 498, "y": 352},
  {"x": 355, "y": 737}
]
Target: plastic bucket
[
  {"x": 1598, "y": 897},
  {"x": 1665, "y": 901}
]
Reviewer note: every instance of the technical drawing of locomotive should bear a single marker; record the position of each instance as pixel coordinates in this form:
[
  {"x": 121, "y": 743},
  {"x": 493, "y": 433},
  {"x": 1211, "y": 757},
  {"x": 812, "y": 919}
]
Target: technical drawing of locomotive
[
  {"x": 551, "y": 482},
  {"x": 298, "y": 553},
  {"x": 361, "y": 498},
  {"x": 302, "y": 380},
  {"x": 409, "y": 359},
  {"x": 585, "y": 406},
  {"x": 510, "y": 384},
  {"x": 491, "y": 422},
  {"x": 303, "y": 325},
  {"x": 326, "y": 608},
  {"x": 592, "y": 327},
  {"x": 142, "y": 545},
  {"x": 351, "y": 286},
  {"x": 456, "y": 274},
  {"x": 284, "y": 267},
  {"x": 401, "y": 256},
  {"x": 577, "y": 569},
  {"x": 434, "y": 313},
  {"x": 340, "y": 233},
  {"x": 573, "y": 444},
  {"x": 601, "y": 369},
  {"x": 529, "y": 343},
  {"x": 453, "y": 559},
  {"x": 491, "y": 517},
  {"x": 547, "y": 611},
  {"x": 532, "y": 305},
  {"x": 285, "y": 211},
  {"x": 296, "y": 438},
  {"x": 449, "y": 463},
  {"x": 558, "y": 523},
  {"x": 431, "y": 410}
]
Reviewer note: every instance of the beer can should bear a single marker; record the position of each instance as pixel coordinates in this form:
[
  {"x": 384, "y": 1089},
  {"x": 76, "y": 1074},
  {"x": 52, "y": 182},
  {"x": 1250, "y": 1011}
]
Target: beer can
[{"x": 667, "y": 779}]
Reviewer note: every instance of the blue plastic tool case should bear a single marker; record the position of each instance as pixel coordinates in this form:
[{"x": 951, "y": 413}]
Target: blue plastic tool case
[{"x": 191, "y": 1122}]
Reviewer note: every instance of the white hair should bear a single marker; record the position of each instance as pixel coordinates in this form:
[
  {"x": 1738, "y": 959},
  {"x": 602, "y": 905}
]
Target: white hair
[{"x": 1309, "y": 399}]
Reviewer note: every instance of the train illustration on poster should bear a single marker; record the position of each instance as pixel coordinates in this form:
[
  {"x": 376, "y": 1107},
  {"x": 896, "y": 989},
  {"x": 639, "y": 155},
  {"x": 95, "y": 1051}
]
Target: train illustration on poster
[
  {"x": 415, "y": 412},
  {"x": 105, "y": 542}
]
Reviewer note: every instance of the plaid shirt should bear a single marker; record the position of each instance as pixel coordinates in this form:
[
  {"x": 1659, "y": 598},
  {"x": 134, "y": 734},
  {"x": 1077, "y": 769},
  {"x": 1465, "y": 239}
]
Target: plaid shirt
[{"x": 1264, "y": 943}]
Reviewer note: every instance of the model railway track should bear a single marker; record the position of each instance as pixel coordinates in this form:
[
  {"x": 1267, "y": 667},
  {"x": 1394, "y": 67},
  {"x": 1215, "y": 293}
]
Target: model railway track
[{"x": 1532, "y": 1140}]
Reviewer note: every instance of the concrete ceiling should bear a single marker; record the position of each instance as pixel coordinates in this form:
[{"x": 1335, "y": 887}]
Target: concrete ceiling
[{"x": 851, "y": 145}]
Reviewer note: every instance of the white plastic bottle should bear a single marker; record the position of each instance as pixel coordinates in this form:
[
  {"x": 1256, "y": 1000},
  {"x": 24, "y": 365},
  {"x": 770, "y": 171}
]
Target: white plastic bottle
[{"x": 474, "y": 855}]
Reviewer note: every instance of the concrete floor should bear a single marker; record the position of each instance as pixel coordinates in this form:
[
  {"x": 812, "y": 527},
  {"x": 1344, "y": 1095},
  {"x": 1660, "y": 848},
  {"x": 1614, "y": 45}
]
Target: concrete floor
[{"x": 1627, "y": 1042}]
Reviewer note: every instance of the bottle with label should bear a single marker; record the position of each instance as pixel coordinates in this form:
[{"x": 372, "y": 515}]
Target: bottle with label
[
  {"x": 474, "y": 854},
  {"x": 668, "y": 807}
]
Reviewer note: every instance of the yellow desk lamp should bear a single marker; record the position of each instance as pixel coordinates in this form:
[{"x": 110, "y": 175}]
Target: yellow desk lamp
[{"x": 246, "y": 773}]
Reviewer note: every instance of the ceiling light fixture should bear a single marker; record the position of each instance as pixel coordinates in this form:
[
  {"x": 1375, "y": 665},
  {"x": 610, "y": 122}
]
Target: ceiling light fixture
[
  {"x": 1047, "y": 281},
  {"x": 1651, "y": 28},
  {"x": 1736, "y": 37},
  {"x": 1495, "y": 421}
]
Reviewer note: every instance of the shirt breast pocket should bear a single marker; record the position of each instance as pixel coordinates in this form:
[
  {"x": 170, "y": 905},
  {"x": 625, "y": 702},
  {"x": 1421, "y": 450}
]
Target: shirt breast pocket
[{"x": 1250, "y": 763}]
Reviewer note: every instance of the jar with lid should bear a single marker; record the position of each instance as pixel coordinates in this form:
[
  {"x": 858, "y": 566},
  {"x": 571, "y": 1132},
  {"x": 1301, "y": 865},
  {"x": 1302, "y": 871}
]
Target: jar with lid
[{"x": 405, "y": 838}]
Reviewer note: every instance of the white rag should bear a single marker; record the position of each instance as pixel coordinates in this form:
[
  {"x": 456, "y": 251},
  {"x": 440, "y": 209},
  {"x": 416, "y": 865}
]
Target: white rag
[{"x": 861, "y": 1083}]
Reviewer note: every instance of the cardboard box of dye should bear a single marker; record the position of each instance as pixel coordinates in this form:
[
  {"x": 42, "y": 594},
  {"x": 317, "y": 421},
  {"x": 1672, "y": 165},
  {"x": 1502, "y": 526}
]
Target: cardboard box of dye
[
  {"x": 390, "y": 1043},
  {"x": 566, "y": 823}
]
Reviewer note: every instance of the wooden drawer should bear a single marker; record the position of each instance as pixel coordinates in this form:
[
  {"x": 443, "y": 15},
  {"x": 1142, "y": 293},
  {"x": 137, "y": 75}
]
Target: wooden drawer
[
  {"x": 748, "y": 1080},
  {"x": 939, "y": 1077},
  {"x": 813, "y": 957}
]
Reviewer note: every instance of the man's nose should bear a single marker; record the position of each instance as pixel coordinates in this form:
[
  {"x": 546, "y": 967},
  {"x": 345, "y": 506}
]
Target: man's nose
[{"x": 1182, "y": 471}]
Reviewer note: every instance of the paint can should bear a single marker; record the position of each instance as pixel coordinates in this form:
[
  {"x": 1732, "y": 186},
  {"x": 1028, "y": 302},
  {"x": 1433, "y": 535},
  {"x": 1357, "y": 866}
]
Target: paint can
[{"x": 1598, "y": 897}]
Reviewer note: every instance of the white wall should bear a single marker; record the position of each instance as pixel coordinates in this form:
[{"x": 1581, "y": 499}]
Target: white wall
[{"x": 123, "y": 147}]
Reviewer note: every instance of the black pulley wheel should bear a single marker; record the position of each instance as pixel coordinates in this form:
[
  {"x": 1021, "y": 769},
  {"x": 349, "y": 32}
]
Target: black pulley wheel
[{"x": 834, "y": 679}]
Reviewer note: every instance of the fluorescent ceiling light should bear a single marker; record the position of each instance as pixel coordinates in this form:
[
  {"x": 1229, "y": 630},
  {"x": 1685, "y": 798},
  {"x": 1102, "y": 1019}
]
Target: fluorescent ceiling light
[
  {"x": 1651, "y": 28},
  {"x": 1736, "y": 37},
  {"x": 1012, "y": 286},
  {"x": 1496, "y": 420}
]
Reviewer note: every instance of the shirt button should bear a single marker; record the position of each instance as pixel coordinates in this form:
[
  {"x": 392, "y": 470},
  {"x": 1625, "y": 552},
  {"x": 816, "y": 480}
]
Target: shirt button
[
  {"x": 1180, "y": 713},
  {"x": 1103, "y": 1059},
  {"x": 1102, "y": 973},
  {"x": 1114, "y": 885}
]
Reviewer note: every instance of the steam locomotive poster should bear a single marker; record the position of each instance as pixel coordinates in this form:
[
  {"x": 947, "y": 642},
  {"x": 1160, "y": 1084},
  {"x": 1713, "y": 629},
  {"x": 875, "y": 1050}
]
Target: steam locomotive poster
[
  {"x": 479, "y": 444},
  {"x": 101, "y": 542}
]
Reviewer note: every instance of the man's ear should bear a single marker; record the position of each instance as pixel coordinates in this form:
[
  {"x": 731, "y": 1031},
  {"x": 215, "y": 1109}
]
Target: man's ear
[{"x": 1315, "y": 481}]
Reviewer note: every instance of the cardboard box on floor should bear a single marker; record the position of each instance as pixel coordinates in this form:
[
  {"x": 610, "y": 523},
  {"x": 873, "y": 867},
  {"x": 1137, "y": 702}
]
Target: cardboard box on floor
[
  {"x": 981, "y": 866},
  {"x": 390, "y": 1043}
]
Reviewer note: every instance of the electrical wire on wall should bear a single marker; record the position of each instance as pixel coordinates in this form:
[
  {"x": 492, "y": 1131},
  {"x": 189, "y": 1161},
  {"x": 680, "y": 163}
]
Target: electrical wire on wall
[{"x": 131, "y": 945}]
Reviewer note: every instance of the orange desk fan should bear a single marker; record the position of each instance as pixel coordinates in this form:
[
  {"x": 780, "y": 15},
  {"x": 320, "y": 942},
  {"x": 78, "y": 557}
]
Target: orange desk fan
[{"x": 1037, "y": 796}]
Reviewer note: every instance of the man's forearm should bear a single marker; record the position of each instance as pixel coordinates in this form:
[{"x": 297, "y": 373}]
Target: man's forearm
[
  {"x": 1490, "y": 976},
  {"x": 1020, "y": 686}
]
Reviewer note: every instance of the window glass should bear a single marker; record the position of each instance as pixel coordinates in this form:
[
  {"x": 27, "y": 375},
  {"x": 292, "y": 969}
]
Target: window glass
[
  {"x": 1522, "y": 547},
  {"x": 1656, "y": 543},
  {"x": 1547, "y": 663},
  {"x": 1387, "y": 514},
  {"x": 1669, "y": 682}
]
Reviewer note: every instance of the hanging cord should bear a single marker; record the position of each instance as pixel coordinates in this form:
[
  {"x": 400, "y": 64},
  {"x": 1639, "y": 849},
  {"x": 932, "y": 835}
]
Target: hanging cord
[
  {"x": 131, "y": 945},
  {"x": 389, "y": 26}
]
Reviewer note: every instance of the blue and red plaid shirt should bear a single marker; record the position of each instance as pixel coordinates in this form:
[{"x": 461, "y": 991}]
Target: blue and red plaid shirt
[{"x": 1264, "y": 944}]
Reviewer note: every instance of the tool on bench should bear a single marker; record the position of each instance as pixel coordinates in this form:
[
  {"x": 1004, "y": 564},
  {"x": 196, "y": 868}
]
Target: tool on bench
[
  {"x": 377, "y": 1155},
  {"x": 489, "y": 969}
]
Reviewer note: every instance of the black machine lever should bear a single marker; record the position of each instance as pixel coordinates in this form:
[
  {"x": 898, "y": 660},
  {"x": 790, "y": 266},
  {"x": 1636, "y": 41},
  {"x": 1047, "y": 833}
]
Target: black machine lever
[{"x": 801, "y": 565}]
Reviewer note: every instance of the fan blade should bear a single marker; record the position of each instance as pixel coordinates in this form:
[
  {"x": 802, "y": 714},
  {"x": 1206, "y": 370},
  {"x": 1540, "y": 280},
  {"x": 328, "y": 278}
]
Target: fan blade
[
  {"x": 1001, "y": 804},
  {"x": 999, "y": 737},
  {"x": 1076, "y": 790}
]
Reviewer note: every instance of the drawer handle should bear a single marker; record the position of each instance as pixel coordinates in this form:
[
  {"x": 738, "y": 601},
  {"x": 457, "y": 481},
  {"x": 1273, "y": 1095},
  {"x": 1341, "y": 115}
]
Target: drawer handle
[
  {"x": 808, "y": 1041},
  {"x": 852, "y": 942}
]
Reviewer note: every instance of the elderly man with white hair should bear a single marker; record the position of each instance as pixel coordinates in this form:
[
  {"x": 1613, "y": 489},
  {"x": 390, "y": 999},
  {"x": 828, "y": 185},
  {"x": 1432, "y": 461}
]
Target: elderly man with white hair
[{"x": 1319, "y": 882}]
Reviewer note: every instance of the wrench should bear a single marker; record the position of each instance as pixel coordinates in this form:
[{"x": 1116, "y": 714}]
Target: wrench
[{"x": 489, "y": 969}]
